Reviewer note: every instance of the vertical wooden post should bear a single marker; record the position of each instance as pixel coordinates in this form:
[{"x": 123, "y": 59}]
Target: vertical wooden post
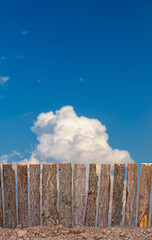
[
  {"x": 9, "y": 196},
  {"x": 1, "y": 206},
  {"x": 118, "y": 187},
  {"x": 22, "y": 195},
  {"x": 65, "y": 194},
  {"x": 34, "y": 195},
  {"x": 144, "y": 195},
  {"x": 92, "y": 195},
  {"x": 49, "y": 194},
  {"x": 79, "y": 194},
  {"x": 131, "y": 195},
  {"x": 104, "y": 195}
]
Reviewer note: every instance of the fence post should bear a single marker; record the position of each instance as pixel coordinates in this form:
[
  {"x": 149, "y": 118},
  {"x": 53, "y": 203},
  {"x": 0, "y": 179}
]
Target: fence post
[
  {"x": 79, "y": 194},
  {"x": 34, "y": 195},
  {"x": 22, "y": 195},
  {"x": 144, "y": 195},
  {"x": 117, "y": 198},
  {"x": 104, "y": 195},
  {"x": 9, "y": 196},
  {"x": 131, "y": 195},
  {"x": 1, "y": 207},
  {"x": 65, "y": 194},
  {"x": 49, "y": 194},
  {"x": 92, "y": 195}
]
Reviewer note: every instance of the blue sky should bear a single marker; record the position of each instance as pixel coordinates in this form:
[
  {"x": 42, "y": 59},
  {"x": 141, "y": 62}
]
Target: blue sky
[{"x": 93, "y": 55}]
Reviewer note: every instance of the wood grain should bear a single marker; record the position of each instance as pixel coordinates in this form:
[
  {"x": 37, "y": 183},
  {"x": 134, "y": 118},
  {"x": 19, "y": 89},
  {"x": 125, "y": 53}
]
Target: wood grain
[
  {"x": 104, "y": 195},
  {"x": 9, "y": 196},
  {"x": 92, "y": 195},
  {"x": 79, "y": 194},
  {"x": 1, "y": 206},
  {"x": 49, "y": 194},
  {"x": 65, "y": 194},
  {"x": 131, "y": 195},
  {"x": 34, "y": 194},
  {"x": 22, "y": 195},
  {"x": 144, "y": 195},
  {"x": 117, "y": 198}
]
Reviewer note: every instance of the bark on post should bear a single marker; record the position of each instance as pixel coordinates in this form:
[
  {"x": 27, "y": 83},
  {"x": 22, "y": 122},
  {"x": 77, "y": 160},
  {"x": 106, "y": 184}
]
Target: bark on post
[
  {"x": 65, "y": 194},
  {"x": 22, "y": 195},
  {"x": 117, "y": 199},
  {"x": 144, "y": 195},
  {"x": 9, "y": 196},
  {"x": 92, "y": 195},
  {"x": 79, "y": 194},
  {"x": 1, "y": 206},
  {"x": 131, "y": 195},
  {"x": 34, "y": 195},
  {"x": 49, "y": 194},
  {"x": 104, "y": 195}
]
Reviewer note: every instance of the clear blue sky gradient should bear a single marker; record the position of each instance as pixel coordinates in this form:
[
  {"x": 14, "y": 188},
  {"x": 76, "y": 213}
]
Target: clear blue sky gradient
[{"x": 107, "y": 44}]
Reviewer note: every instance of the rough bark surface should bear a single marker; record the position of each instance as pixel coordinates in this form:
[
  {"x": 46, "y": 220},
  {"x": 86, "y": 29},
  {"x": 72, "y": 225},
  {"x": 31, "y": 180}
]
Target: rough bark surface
[
  {"x": 144, "y": 195},
  {"x": 79, "y": 194},
  {"x": 131, "y": 195},
  {"x": 1, "y": 206},
  {"x": 49, "y": 194},
  {"x": 9, "y": 196},
  {"x": 118, "y": 187},
  {"x": 34, "y": 195},
  {"x": 22, "y": 195},
  {"x": 92, "y": 195},
  {"x": 65, "y": 194},
  {"x": 104, "y": 195}
]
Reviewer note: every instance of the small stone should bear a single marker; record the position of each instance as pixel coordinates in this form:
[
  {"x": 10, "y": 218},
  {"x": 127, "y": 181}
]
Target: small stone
[
  {"x": 12, "y": 237},
  {"x": 66, "y": 231},
  {"x": 19, "y": 226},
  {"x": 75, "y": 230},
  {"x": 43, "y": 235},
  {"x": 21, "y": 233},
  {"x": 83, "y": 235}
]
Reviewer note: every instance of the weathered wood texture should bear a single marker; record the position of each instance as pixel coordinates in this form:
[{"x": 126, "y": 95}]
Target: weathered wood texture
[
  {"x": 65, "y": 194},
  {"x": 92, "y": 195},
  {"x": 34, "y": 195},
  {"x": 144, "y": 195},
  {"x": 79, "y": 194},
  {"x": 131, "y": 195},
  {"x": 9, "y": 196},
  {"x": 22, "y": 195},
  {"x": 117, "y": 198},
  {"x": 1, "y": 206},
  {"x": 104, "y": 195},
  {"x": 49, "y": 194}
]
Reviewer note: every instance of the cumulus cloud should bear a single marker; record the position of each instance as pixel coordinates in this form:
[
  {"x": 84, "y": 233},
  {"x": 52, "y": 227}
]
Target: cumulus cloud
[
  {"x": 65, "y": 137},
  {"x": 8, "y": 158},
  {"x": 3, "y": 80}
]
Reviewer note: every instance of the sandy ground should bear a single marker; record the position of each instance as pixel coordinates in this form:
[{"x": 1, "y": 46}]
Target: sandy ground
[{"x": 59, "y": 232}]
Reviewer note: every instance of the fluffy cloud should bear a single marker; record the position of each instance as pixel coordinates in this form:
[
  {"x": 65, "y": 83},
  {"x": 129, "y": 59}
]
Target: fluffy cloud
[
  {"x": 65, "y": 137},
  {"x": 8, "y": 158},
  {"x": 3, "y": 80}
]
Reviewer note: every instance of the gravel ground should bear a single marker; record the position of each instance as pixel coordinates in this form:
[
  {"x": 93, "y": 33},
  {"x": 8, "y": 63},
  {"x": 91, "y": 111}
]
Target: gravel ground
[{"x": 59, "y": 232}]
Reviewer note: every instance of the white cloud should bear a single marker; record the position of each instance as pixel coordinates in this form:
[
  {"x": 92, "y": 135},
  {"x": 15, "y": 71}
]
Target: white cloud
[
  {"x": 3, "y": 80},
  {"x": 65, "y": 137},
  {"x": 9, "y": 157},
  {"x": 3, "y": 58},
  {"x": 25, "y": 32}
]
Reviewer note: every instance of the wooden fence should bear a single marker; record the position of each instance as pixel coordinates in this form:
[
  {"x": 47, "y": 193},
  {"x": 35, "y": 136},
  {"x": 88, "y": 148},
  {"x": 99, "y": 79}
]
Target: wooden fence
[{"x": 74, "y": 208}]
